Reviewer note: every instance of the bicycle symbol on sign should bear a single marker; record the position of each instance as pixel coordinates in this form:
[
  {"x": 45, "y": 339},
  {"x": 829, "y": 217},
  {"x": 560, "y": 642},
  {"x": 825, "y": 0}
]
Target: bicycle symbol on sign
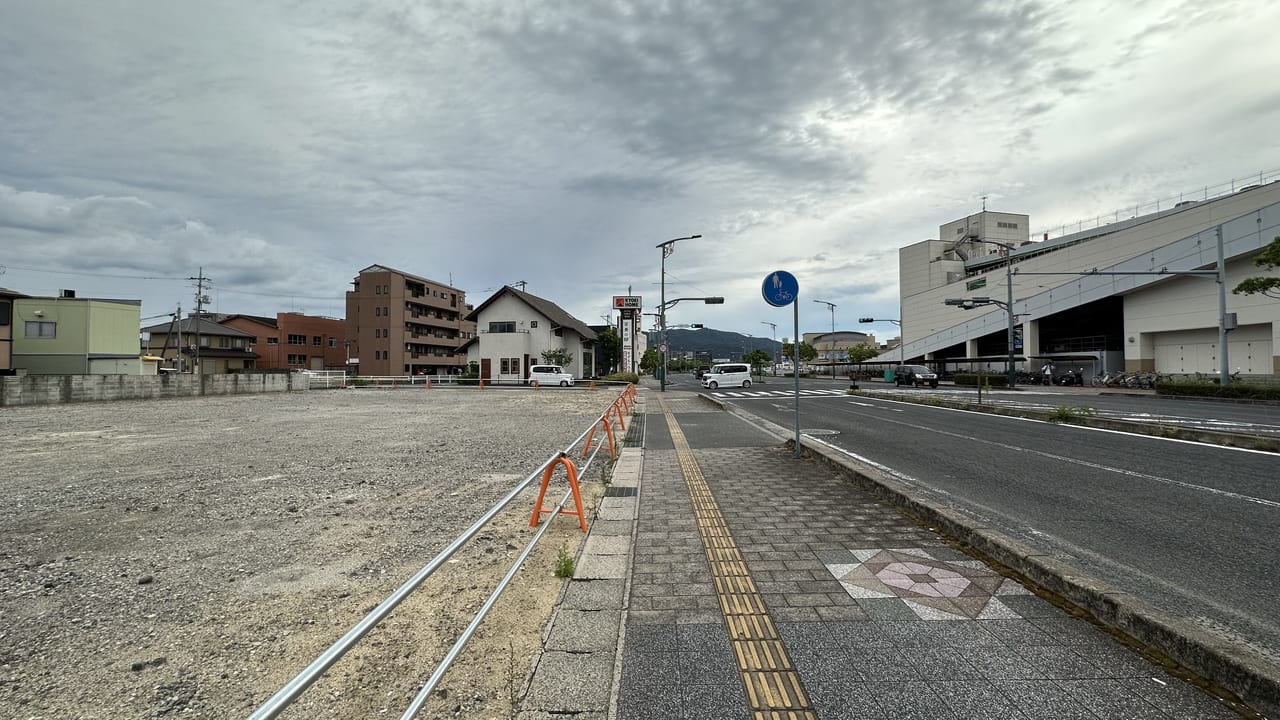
[{"x": 780, "y": 288}]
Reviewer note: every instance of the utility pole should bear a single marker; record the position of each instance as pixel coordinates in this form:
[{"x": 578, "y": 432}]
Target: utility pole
[
  {"x": 832, "y": 306},
  {"x": 773, "y": 330},
  {"x": 201, "y": 299}
]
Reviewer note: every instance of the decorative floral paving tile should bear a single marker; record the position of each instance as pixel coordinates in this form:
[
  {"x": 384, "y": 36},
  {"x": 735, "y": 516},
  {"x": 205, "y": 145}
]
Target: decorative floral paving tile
[{"x": 933, "y": 588}]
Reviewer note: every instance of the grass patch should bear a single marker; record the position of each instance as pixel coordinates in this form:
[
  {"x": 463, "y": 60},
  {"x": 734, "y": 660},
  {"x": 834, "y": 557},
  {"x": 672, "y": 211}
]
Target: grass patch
[
  {"x": 564, "y": 563},
  {"x": 1067, "y": 413}
]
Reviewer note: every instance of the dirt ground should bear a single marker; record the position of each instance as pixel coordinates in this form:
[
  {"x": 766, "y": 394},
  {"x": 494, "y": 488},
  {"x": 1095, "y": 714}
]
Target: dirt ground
[{"x": 186, "y": 558}]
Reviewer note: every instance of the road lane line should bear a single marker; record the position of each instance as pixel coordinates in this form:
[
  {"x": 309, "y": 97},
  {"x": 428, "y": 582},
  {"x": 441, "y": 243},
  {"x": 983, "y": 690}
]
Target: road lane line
[{"x": 1096, "y": 466}]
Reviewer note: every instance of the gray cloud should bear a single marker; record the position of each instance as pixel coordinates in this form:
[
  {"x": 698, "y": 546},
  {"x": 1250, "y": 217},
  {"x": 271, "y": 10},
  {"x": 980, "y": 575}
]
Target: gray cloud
[{"x": 285, "y": 147}]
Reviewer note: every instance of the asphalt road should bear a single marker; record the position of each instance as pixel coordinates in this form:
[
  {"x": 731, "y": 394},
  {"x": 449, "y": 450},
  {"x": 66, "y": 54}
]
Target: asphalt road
[{"x": 1188, "y": 527}]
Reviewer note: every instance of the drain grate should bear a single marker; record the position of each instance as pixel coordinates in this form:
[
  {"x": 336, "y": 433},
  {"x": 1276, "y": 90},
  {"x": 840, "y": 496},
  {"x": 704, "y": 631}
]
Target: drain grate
[
  {"x": 635, "y": 433},
  {"x": 616, "y": 491}
]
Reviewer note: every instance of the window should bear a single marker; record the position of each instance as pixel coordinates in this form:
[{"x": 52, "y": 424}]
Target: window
[
  {"x": 508, "y": 326},
  {"x": 506, "y": 366},
  {"x": 377, "y": 289},
  {"x": 317, "y": 340},
  {"x": 333, "y": 342},
  {"x": 6, "y": 313},
  {"x": 297, "y": 339},
  {"x": 39, "y": 329},
  {"x": 1009, "y": 225},
  {"x": 297, "y": 359}
]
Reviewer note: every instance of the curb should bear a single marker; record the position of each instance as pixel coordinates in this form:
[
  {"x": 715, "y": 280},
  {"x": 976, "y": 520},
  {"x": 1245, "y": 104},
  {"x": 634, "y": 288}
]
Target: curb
[{"x": 1252, "y": 678}]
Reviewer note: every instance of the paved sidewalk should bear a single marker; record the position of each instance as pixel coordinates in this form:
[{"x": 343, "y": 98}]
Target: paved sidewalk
[{"x": 762, "y": 586}]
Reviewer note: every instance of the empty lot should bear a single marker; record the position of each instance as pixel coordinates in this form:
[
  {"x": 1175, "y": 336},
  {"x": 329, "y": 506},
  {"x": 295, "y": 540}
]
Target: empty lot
[{"x": 187, "y": 557}]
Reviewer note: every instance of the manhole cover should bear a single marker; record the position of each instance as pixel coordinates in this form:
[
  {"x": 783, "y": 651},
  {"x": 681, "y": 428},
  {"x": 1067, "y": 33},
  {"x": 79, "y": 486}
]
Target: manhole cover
[{"x": 819, "y": 431}]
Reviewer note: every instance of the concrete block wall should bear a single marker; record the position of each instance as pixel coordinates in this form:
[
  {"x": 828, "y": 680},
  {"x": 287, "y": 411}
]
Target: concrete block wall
[{"x": 56, "y": 389}]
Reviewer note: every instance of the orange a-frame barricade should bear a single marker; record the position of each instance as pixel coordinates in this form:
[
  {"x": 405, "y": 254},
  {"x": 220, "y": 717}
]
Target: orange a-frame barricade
[
  {"x": 627, "y": 395},
  {"x": 608, "y": 428},
  {"x": 572, "y": 472}
]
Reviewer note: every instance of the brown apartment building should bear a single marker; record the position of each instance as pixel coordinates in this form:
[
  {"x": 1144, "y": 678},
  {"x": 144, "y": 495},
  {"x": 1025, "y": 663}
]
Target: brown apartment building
[
  {"x": 402, "y": 324},
  {"x": 293, "y": 341},
  {"x": 6, "y": 329}
]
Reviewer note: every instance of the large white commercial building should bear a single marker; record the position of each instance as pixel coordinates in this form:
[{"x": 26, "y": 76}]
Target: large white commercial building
[{"x": 1108, "y": 298}]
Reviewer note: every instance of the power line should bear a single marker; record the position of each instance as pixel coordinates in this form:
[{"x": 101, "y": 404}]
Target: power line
[{"x": 96, "y": 274}]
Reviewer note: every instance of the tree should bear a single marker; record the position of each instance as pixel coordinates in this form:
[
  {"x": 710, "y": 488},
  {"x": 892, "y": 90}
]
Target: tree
[
  {"x": 611, "y": 349},
  {"x": 807, "y": 352},
  {"x": 861, "y": 353},
  {"x": 758, "y": 359},
  {"x": 1268, "y": 259},
  {"x": 559, "y": 356},
  {"x": 649, "y": 361}
]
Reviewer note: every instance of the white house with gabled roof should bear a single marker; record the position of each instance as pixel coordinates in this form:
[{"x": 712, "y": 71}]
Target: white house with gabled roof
[{"x": 514, "y": 328}]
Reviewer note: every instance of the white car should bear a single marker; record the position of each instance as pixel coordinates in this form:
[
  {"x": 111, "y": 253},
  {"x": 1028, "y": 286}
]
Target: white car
[
  {"x": 728, "y": 375},
  {"x": 548, "y": 375}
]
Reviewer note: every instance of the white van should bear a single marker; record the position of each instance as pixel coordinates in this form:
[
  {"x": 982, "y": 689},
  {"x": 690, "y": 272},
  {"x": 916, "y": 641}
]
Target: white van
[
  {"x": 548, "y": 375},
  {"x": 728, "y": 375}
]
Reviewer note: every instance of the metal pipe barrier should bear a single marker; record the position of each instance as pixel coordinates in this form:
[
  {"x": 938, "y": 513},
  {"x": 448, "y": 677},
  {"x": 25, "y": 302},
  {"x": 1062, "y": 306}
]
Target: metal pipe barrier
[{"x": 309, "y": 675}]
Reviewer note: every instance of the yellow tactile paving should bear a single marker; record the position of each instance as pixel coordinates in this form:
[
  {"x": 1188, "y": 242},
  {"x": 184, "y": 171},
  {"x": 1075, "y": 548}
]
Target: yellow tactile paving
[{"x": 773, "y": 688}]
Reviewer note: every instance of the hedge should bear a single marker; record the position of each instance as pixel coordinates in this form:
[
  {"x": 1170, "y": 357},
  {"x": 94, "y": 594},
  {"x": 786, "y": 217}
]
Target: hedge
[{"x": 1210, "y": 388}]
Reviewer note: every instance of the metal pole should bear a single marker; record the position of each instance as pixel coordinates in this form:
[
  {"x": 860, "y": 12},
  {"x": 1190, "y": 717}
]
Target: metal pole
[
  {"x": 662, "y": 321},
  {"x": 795, "y": 366},
  {"x": 1008, "y": 275},
  {"x": 1224, "y": 375},
  {"x": 833, "y": 342}
]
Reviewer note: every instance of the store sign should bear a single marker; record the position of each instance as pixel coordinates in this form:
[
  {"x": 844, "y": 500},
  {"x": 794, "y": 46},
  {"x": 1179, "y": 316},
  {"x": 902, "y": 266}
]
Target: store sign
[{"x": 626, "y": 302}]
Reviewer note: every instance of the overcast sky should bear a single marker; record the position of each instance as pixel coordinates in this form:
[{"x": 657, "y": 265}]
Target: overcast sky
[{"x": 285, "y": 146}]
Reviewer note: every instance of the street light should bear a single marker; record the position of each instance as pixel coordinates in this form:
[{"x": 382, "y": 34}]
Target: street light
[
  {"x": 668, "y": 247},
  {"x": 971, "y": 303},
  {"x": 833, "y": 335},
  {"x": 902, "y": 338},
  {"x": 1008, "y": 282},
  {"x": 773, "y": 331},
  {"x": 662, "y": 318}
]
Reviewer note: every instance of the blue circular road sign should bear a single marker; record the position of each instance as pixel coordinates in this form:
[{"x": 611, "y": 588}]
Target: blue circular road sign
[{"x": 780, "y": 288}]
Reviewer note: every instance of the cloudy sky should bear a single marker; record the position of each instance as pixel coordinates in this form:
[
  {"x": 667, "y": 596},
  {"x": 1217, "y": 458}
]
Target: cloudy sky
[{"x": 283, "y": 146}]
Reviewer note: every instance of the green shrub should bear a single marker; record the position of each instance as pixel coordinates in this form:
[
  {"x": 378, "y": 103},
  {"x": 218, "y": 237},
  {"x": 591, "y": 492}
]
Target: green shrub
[
  {"x": 1064, "y": 413},
  {"x": 564, "y": 563},
  {"x": 1210, "y": 388},
  {"x": 622, "y": 377},
  {"x": 988, "y": 380}
]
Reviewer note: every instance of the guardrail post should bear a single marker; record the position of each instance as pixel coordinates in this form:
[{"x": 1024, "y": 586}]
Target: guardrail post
[{"x": 572, "y": 472}]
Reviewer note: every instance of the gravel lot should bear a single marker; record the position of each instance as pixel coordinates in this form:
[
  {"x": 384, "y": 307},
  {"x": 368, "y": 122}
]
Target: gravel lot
[{"x": 186, "y": 558}]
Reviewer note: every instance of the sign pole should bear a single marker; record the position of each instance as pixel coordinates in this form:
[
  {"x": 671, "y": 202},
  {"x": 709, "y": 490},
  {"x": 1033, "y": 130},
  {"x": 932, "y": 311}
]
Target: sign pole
[
  {"x": 795, "y": 369},
  {"x": 779, "y": 290}
]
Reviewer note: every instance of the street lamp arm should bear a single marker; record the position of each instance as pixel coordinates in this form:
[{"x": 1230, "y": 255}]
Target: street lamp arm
[
  {"x": 673, "y": 241},
  {"x": 715, "y": 300}
]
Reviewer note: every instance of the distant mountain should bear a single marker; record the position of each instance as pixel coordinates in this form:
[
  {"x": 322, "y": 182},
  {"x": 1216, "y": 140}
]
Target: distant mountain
[{"x": 716, "y": 344}]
